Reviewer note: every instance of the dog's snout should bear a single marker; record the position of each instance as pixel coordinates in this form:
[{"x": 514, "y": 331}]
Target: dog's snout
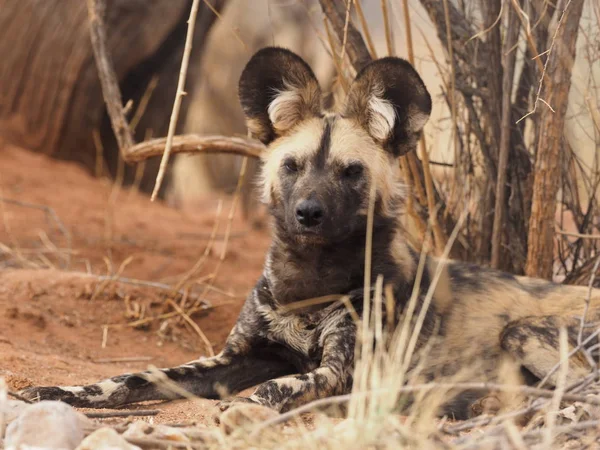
[{"x": 309, "y": 212}]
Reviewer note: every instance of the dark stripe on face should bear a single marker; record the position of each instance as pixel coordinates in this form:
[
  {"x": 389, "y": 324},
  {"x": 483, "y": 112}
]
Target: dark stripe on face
[{"x": 325, "y": 144}]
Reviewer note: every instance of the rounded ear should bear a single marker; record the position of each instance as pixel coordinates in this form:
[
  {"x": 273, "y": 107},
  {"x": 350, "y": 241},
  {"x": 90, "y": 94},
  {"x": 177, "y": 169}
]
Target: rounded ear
[
  {"x": 390, "y": 100},
  {"x": 277, "y": 90}
]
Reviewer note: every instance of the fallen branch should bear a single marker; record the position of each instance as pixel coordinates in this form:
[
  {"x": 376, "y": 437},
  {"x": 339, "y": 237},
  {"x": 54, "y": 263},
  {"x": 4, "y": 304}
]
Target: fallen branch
[{"x": 193, "y": 143}]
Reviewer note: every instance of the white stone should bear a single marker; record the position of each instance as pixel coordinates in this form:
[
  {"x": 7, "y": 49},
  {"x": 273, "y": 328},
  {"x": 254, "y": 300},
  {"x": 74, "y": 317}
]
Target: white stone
[
  {"x": 140, "y": 429},
  {"x": 106, "y": 439},
  {"x": 46, "y": 425}
]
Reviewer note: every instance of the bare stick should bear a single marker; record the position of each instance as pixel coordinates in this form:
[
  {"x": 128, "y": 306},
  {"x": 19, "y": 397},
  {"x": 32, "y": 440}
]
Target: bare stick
[
  {"x": 178, "y": 96},
  {"x": 193, "y": 143},
  {"x": 124, "y": 359},
  {"x": 127, "y": 413},
  {"x": 578, "y": 235},
  {"x": 508, "y": 62},
  {"x": 365, "y": 28},
  {"x": 389, "y": 41},
  {"x": 165, "y": 444},
  {"x": 108, "y": 78}
]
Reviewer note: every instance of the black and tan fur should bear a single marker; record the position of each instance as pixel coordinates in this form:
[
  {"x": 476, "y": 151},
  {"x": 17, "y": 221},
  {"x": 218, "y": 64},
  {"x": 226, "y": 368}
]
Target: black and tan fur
[{"x": 317, "y": 176}]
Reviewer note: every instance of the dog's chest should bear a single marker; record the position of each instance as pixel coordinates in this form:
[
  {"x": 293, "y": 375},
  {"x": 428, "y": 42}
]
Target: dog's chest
[{"x": 292, "y": 330}]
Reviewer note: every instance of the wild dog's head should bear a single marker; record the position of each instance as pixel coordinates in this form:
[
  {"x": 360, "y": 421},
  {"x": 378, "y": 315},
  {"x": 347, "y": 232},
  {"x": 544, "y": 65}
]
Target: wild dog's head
[{"x": 319, "y": 166}]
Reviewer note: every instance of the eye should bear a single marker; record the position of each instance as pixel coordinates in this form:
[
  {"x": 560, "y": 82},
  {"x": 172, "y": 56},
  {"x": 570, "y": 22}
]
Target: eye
[
  {"x": 353, "y": 170},
  {"x": 290, "y": 165}
]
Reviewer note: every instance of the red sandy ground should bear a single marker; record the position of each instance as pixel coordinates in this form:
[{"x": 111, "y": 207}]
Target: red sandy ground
[{"x": 52, "y": 314}]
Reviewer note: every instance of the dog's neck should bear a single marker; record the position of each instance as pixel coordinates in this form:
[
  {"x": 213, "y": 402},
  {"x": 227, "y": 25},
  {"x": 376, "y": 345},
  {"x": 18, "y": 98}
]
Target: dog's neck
[{"x": 296, "y": 271}]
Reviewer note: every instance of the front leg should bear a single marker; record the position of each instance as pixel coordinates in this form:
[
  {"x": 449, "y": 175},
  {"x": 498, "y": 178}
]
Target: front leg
[
  {"x": 332, "y": 377},
  {"x": 245, "y": 361}
]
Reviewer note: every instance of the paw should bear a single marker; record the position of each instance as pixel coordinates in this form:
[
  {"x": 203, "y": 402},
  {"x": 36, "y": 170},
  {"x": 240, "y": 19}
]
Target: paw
[
  {"x": 224, "y": 405},
  {"x": 489, "y": 405},
  {"x": 242, "y": 415},
  {"x": 36, "y": 394}
]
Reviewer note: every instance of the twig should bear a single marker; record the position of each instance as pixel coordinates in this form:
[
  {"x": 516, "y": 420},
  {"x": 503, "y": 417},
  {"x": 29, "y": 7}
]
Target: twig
[
  {"x": 571, "y": 353},
  {"x": 559, "y": 392},
  {"x": 127, "y": 413},
  {"x": 365, "y": 28},
  {"x": 192, "y": 143},
  {"x": 124, "y": 359},
  {"x": 577, "y": 235},
  {"x": 178, "y": 97},
  {"x": 336, "y": 60},
  {"x": 108, "y": 78},
  {"x": 164, "y": 443},
  {"x": 335, "y": 10},
  {"x": 389, "y": 41},
  {"x": 143, "y": 104},
  {"x": 544, "y": 69}
]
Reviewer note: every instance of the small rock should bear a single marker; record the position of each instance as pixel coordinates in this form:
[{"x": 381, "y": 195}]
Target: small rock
[
  {"x": 46, "y": 425},
  {"x": 141, "y": 429},
  {"x": 106, "y": 439}
]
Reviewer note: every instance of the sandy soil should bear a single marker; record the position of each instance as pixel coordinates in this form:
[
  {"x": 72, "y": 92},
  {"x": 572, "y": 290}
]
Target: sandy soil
[{"x": 54, "y": 303}]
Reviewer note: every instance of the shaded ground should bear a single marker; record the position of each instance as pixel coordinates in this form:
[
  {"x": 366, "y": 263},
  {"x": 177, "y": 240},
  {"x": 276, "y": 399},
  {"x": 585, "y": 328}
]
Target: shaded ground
[{"x": 55, "y": 301}]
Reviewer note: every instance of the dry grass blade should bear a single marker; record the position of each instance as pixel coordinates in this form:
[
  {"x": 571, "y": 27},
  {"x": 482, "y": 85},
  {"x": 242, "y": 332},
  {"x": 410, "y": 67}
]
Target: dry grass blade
[
  {"x": 194, "y": 325},
  {"x": 365, "y": 28},
  {"x": 51, "y": 214},
  {"x": 439, "y": 235},
  {"x": 588, "y": 299}
]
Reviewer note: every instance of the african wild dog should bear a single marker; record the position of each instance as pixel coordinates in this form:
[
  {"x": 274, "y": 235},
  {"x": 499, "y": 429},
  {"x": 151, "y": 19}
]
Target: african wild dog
[{"x": 317, "y": 174}]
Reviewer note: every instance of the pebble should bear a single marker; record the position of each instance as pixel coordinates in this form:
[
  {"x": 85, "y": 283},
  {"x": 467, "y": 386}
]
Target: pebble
[
  {"x": 106, "y": 439},
  {"x": 46, "y": 425},
  {"x": 141, "y": 429}
]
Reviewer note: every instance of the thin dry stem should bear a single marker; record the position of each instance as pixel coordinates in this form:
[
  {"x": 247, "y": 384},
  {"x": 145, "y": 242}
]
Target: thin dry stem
[
  {"x": 178, "y": 97},
  {"x": 365, "y": 28},
  {"x": 194, "y": 325},
  {"x": 389, "y": 40}
]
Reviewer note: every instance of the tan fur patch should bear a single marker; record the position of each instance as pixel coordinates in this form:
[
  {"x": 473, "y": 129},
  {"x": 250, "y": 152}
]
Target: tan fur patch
[
  {"x": 301, "y": 142},
  {"x": 292, "y": 105},
  {"x": 351, "y": 143}
]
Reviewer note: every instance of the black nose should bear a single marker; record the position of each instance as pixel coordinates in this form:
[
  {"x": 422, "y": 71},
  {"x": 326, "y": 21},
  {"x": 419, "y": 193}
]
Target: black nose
[{"x": 309, "y": 213}]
